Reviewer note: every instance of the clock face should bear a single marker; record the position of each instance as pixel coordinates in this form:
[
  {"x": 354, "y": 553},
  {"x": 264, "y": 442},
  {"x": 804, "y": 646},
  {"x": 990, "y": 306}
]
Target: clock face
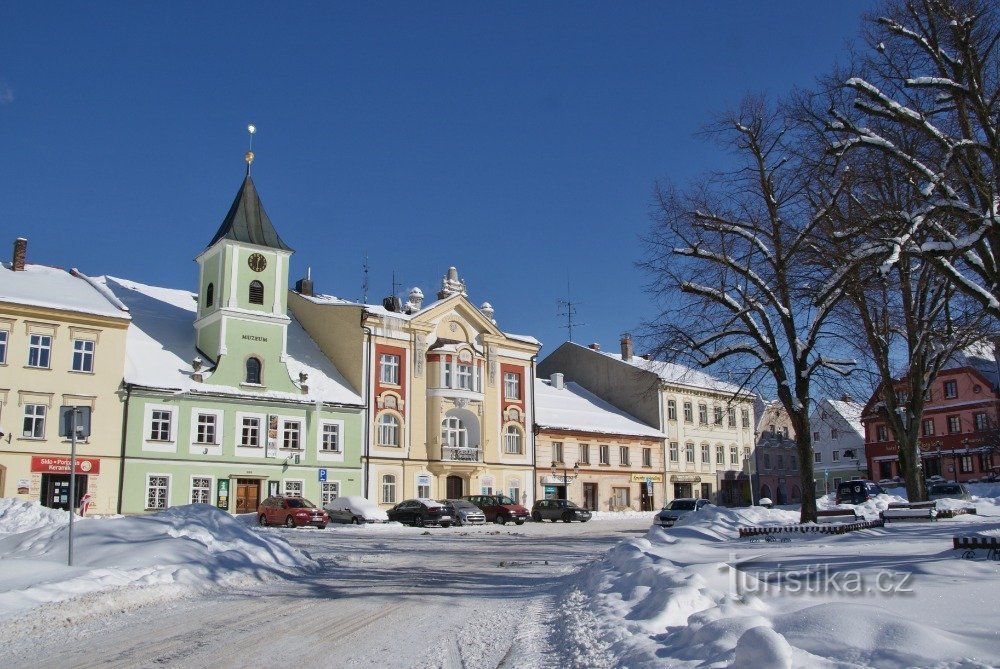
[{"x": 257, "y": 262}]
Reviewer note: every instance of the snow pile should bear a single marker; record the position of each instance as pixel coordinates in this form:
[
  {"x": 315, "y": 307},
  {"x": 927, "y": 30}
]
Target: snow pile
[
  {"x": 697, "y": 595},
  {"x": 169, "y": 554}
]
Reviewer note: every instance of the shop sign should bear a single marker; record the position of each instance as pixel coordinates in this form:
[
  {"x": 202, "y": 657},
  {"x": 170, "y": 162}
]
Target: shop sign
[
  {"x": 272, "y": 436},
  {"x": 48, "y": 464},
  {"x": 644, "y": 478},
  {"x": 685, "y": 478},
  {"x": 23, "y": 486},
  {"x": 424, "y": 479},
  {"x": 222, "y": 498}
]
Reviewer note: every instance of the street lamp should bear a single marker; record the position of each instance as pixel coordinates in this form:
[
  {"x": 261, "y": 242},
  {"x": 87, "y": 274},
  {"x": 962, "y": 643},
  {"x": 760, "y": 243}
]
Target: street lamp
[{"x": 565, "y": 474}]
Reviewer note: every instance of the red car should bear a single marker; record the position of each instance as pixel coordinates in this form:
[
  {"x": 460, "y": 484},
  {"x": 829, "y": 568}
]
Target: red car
[
  {"x": 499, "y": 508},
  {"x": 291, "y": 512}
]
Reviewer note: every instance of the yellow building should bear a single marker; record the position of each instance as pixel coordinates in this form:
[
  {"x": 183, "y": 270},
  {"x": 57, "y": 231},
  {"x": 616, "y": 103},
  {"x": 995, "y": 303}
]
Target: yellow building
[
  {"x": 62, "y": 343},
  {"x": 449, "y": 393}
]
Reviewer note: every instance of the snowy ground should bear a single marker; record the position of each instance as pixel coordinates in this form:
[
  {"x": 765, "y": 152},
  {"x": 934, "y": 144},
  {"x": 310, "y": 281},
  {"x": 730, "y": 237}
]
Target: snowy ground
[{"x": 188, "y": 588}]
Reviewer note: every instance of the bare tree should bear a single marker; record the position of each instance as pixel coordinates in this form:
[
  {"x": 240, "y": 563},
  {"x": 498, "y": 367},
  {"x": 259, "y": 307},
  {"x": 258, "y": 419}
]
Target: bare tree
[{"x": 740, "y": 248}]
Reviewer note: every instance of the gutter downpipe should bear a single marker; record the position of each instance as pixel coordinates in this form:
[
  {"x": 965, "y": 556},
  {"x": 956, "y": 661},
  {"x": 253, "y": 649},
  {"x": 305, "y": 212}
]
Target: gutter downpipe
[
  {"x": 366, "y": 372},
  {"x": 534, "y": 431},
  {"x": 121, "y": 463}
]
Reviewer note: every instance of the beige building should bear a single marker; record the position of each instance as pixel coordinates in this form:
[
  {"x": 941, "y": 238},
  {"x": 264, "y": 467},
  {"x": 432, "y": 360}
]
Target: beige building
[
  {"x": 62, "y": 343},
  {"x": 450, "y": 407},
  {"x": 594, "y": 454}
]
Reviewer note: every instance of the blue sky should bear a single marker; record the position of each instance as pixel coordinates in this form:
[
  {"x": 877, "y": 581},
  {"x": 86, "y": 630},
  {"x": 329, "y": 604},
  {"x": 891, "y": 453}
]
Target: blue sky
[{"x": 518, "y": 141}]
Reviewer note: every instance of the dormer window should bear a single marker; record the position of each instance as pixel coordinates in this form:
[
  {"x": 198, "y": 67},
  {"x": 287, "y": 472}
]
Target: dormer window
[
  {"x": 210, "y": 295},
  {"x": 256, "y": 292},
  {"x": 253, "y": 371}
]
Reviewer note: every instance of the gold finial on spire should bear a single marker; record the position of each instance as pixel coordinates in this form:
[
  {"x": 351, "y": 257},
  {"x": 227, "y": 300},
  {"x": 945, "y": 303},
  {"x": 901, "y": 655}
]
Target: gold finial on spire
[{"x": 249, "y": 155}]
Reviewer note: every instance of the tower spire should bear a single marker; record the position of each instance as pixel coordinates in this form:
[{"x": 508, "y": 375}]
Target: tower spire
[{"x": 249, "y": 155}]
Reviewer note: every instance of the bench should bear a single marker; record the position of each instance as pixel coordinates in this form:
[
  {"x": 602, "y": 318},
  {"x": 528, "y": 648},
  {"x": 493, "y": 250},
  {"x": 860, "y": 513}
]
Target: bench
[
  {"x": 972, "y": 543},
  {"x": 910, "y": 511},
  {"x": 763, "y": 530},
  {"x": 836, "y": 516},
  {"x": 951, "y": 513}
]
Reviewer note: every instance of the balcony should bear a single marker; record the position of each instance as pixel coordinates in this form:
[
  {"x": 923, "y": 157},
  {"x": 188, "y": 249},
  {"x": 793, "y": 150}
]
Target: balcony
[{"x": 461, "y": 454}]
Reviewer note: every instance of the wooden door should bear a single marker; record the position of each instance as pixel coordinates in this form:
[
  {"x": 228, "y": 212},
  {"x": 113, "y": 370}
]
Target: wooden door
[
  {"x": 590, "y": 496},
  {"x": 454, "y": 486},
  {"x": 247, "y": 495}
]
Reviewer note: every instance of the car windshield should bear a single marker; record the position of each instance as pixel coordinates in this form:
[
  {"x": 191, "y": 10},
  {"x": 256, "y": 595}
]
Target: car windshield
[
  {"x": 945, "y": 489},
  {"x": 296, "y": 503},
  {"x": 462, "y": 504},
  {"x": 681, "y": 505},
  {"x": 503, "y": 499}
]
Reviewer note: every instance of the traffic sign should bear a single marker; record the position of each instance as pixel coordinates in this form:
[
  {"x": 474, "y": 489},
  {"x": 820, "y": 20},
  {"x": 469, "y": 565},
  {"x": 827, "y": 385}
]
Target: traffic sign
[{"x": 322, "y": 475}]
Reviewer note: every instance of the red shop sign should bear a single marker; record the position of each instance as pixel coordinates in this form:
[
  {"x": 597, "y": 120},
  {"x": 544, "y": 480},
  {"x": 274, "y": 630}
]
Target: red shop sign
[{"x": 57, "y": 464}]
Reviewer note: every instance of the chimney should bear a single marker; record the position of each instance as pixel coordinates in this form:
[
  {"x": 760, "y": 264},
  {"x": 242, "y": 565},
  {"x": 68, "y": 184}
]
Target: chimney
[
  {"x": 647, "y": 356},
  {"x": 557, "y": 381},
  {"x": 392, "y": 303},
  {"x": 627, "y": 347},
  {"x": 305, "y": 286},
  {"x": 595, "y": 347},
  {"x": 20, "y": 251},
  {"x": 846, "y": 398}
]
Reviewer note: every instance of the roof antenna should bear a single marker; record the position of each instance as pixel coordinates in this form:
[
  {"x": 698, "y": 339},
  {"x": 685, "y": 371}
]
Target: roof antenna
[
  {"x": 568, "y": 309},
  {"x": 364, "y": 281},
  {"x": 249, "y": 156}
]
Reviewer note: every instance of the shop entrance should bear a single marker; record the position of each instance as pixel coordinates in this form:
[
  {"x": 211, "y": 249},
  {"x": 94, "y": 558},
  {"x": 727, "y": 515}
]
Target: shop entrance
[
  {"x": 645, "y": 497},
  {"x": 454, "y": 486},
  {"x": 682, "y": 490},
  {"x": 590, "y": 496},
  {"x": 247, "y": 495},
  {"x": 55, "y": 490}
]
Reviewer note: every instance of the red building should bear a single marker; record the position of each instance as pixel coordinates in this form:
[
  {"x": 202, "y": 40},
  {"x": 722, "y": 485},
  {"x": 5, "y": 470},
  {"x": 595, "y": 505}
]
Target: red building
[{"x": 958, "y": 428}]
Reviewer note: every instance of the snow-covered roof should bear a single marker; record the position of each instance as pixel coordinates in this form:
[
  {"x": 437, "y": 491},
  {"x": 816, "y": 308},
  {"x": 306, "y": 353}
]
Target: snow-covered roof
[
  {"x": 671, "y": 372},
  {"x": 55, "y": 288},
  {"x": 160, "y": 348},
  {"x": 574, "y": 408},
  {"x": 850, "y": 411},
  {"x": 980, "y": 356}
]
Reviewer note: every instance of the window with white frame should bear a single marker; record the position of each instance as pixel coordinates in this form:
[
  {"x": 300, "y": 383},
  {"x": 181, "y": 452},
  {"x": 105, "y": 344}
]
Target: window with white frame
[
  {"x": 734, "y": 455},
  {"x": 293, "y": 488},
  {"x": 388, "y": 368},
  {"x": 928, "y": 427},
  {"x": 201, "y": 490},
  {"x": 623, "y": 455},
  {"x": 514, "y": 490},
  {"x": 671, "y": 409},
  {"x": 329, "y": 491},
  {"x": 703, "y": 414},
  {"x": 817, "y": 457},
  {"x": 647, "y": 457},
  {"x": 388, "y": 489},
  {"x": 717, "y": 415},
  {"x": 746, "y": 417},
  {"x": 605, "y": 454},
  {"x": 454, "y": 433},
  {"x": 835, "y": 456},
  {"x": 330, "y": 438},
  {"x": 557, "y": 451},
  {"x": 619, "y": 498},
  {"x": 159, "y": 425},
  {"x": 883, "y": 434},
  {"x": 688, "y": 415},
  {"x": 954, "y": 425},
  {"x": 512, "y": 440},
  {"x": 250, "y": 432},
  {"x": 689, "y": 453},
  {"x": 291, "y": 435},
  {"x": 512, "y": 386},
  {"x": 423, "y": 490},
  {"x": 39, "y": 350},
  {"x": 157, "y": 491},
  {"x": 706, "y": 456},
  {"x": 463, "y": 374},
  {"x": 4, "y": 336},
  {"x": 34, "y": 421},
  {"x": 732, "y": 416},
  {"x": 720, "y": 455},
  {"x": 83, "y": 355},
  {"x": 950, "y": 389},
  {"x": 388, "y": 430},
  {"x": 584, "y": 454},
  {"x": 207, "y": 423},
  {"x": 675, "y": 451}
]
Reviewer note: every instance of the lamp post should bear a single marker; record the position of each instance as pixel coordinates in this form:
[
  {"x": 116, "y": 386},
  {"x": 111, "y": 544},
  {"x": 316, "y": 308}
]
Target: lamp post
[{"x": 565, "y": 474}]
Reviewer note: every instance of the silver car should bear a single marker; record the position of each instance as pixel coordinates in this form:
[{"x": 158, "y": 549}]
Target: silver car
[
  {"x": 465, "y": 512},
  {"x": 948, "y": 491},
  {"x": 679, "y": 507}
]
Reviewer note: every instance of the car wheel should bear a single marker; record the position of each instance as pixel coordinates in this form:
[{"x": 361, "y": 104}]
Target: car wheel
[
  {"x": 537, "y": 517},
  {"x": 566, "y": 518},
  {"x": 262, "y": 520},
  {"x": 355, "y": 521},
  {"x": 500, "y": 519},
  {"x": 419, "y": 521},
  {"x": 289, "y": 522},
  {"x": 445, "y": 524},
  {"x": 519, "y": 522},
  {"x": 321, "y": 526}
]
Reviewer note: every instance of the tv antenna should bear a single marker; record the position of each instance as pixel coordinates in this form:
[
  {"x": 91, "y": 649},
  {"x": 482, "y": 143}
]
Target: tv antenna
[
  {"x": 567, "y": 308},
  {"x": 364, "y": 280}
]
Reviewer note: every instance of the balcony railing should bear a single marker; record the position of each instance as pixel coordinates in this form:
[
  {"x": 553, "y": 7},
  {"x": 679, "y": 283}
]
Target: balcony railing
[{"x": 461, "y": 453}]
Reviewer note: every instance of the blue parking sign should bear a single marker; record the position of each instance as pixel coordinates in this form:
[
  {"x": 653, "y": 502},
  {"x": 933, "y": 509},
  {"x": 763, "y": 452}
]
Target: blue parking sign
[{"x": 322, "y": 475}]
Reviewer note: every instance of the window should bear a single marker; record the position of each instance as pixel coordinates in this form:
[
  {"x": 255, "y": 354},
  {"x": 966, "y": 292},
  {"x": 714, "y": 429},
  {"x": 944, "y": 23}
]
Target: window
[
  {"x": 619, "y": 498},
  {"x": 746, "y": 417},
  {"x": 779, "y": 462},
  {"x": 647, "y": 457},
  {"x": 3, "y": 346},
  {"x": 950, "y": 389},
  {"x": 514, "y": 490},
  {"x": 290, "y": 435},
  {"x": 201, "y": 490},
  {"x": 329, "y": 491},
  {"x": 453, "y": 433},
  {"x": 159, "y": 429},
  {"x": 388, "y": 489},
  {"x": 388, "y": 430},
  {"x": 706, "y": 456},
  {"x": 293, "y": 488},
  {"x": 584, "y": 454},
  {"x": 250, "y": 432},
  {"x": 557, "y": 451},
  {"x": 772, "y": 428},
  {"x": 256, "y": 292},
  {"x": 928, "y": 427},
  {"x": 980, "y": 421},
  {"x": 671, "y": 409},
  {"x": 83, "y": 355},
  {"x": 39, "y": 350},
  {"x": 253, "y": 371},
  {"x": 881, "y": 433},
  {"x": 464, "y": 377},
  {"x": 702, "y": 414},
  {"x": 689, "y": 453},
  {"x": 423, "y": 490},
  {"x": 720, "y": 455},
  {"x": 816, "y": 436},
  {"x": 623, "y": 455},
  {"x": 817, "y": 457},
  {"x": 795, "y": 463},
  {"x": 835, "y": 456},
  {"x": 985, "y": 462},
  {"x": 965, "y": 464},
  {"x": 34, "y": 421},
  {"x": 784, "y": 431},
  {"x": 157, "y": 488},
  {"x": 954, "y": 424},
  {"x": 767, "y": 461},
  {"x": 734, "y": 455},
  {"x": 731, "y": 412},
  {"x": 206, "y": 428},
  {"x": 330, "y": 439},
  {"x": 717, "y": 415},
  {"x": 210, "y": 295},
  {"x": 512, "y": 440},
  {"x": 605, "y": 454},
  {"x": 388, "y": 368},
  {"x": 512, "y": 386},
  {"x": 688, "y": 415},
  {"x": 674, "y": 451},
  {"x": 834, "y": 434}
]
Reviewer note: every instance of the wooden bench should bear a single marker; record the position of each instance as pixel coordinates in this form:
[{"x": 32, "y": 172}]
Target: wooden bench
[
  {"x": 951, "y": 513},
  {"x": 972, "y": 543},
  {"x": 836, "y": 516},
  {"x": 910, "y": 511}
]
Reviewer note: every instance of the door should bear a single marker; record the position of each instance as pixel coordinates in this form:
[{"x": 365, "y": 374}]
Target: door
[
  {"x": 454, "y": 487},
  {"x": 682, "y": 490},
  {"x": 55, "y": 490},
  {"x": 247, "y": 495},
  {"x": 590, "y": 496},
  {"x": 706, "y": 491},
  {"x": 645, "y": 497}
]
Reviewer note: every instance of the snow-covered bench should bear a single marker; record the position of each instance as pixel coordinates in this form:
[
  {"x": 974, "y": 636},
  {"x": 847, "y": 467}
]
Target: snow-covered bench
[
  {"x": 910, "y": 511},
  {"x": 837, "y": 516},
  {"x": 951, "y": 513},
  {"x": 972, "y": 543}
]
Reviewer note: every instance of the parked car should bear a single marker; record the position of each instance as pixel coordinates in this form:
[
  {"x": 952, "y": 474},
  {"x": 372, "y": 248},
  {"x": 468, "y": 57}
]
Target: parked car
[
  {"x": 420, "y": 512},
  {"x": 499, "y": 509},
  {"x": 291, "y": 512},
  {"x": 465, "y": 512},
  {"x": 558, "y": 509},
  {"x": 949, "y": 491},
  {"x": 355, "y": 510},
  {"x": 678, "y": 508},
  {"x": 857, "y": 491}
]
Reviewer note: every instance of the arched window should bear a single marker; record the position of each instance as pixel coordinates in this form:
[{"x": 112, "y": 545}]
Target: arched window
[
  {"x": 512, "y": 440},
  {"x": 256, "y": 292},
  {"x": 388, "y": 430},
  {"x": 765, "y": 491},
  {"x": 210, "y": 295},
  {"x": 796, "y": 495},
  {"x": 453, "y": 433},
  {"x": 388, "y": 489},
  {"x": 253, "y": 370}
]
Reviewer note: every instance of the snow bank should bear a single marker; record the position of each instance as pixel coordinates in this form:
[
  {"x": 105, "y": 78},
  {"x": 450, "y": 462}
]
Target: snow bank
[{"x": 168, "y": 554}]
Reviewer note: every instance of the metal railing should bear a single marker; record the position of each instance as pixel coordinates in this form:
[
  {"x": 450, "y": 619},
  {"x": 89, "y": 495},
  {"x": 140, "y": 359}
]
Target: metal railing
[{"x": 461, "y": 453}]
